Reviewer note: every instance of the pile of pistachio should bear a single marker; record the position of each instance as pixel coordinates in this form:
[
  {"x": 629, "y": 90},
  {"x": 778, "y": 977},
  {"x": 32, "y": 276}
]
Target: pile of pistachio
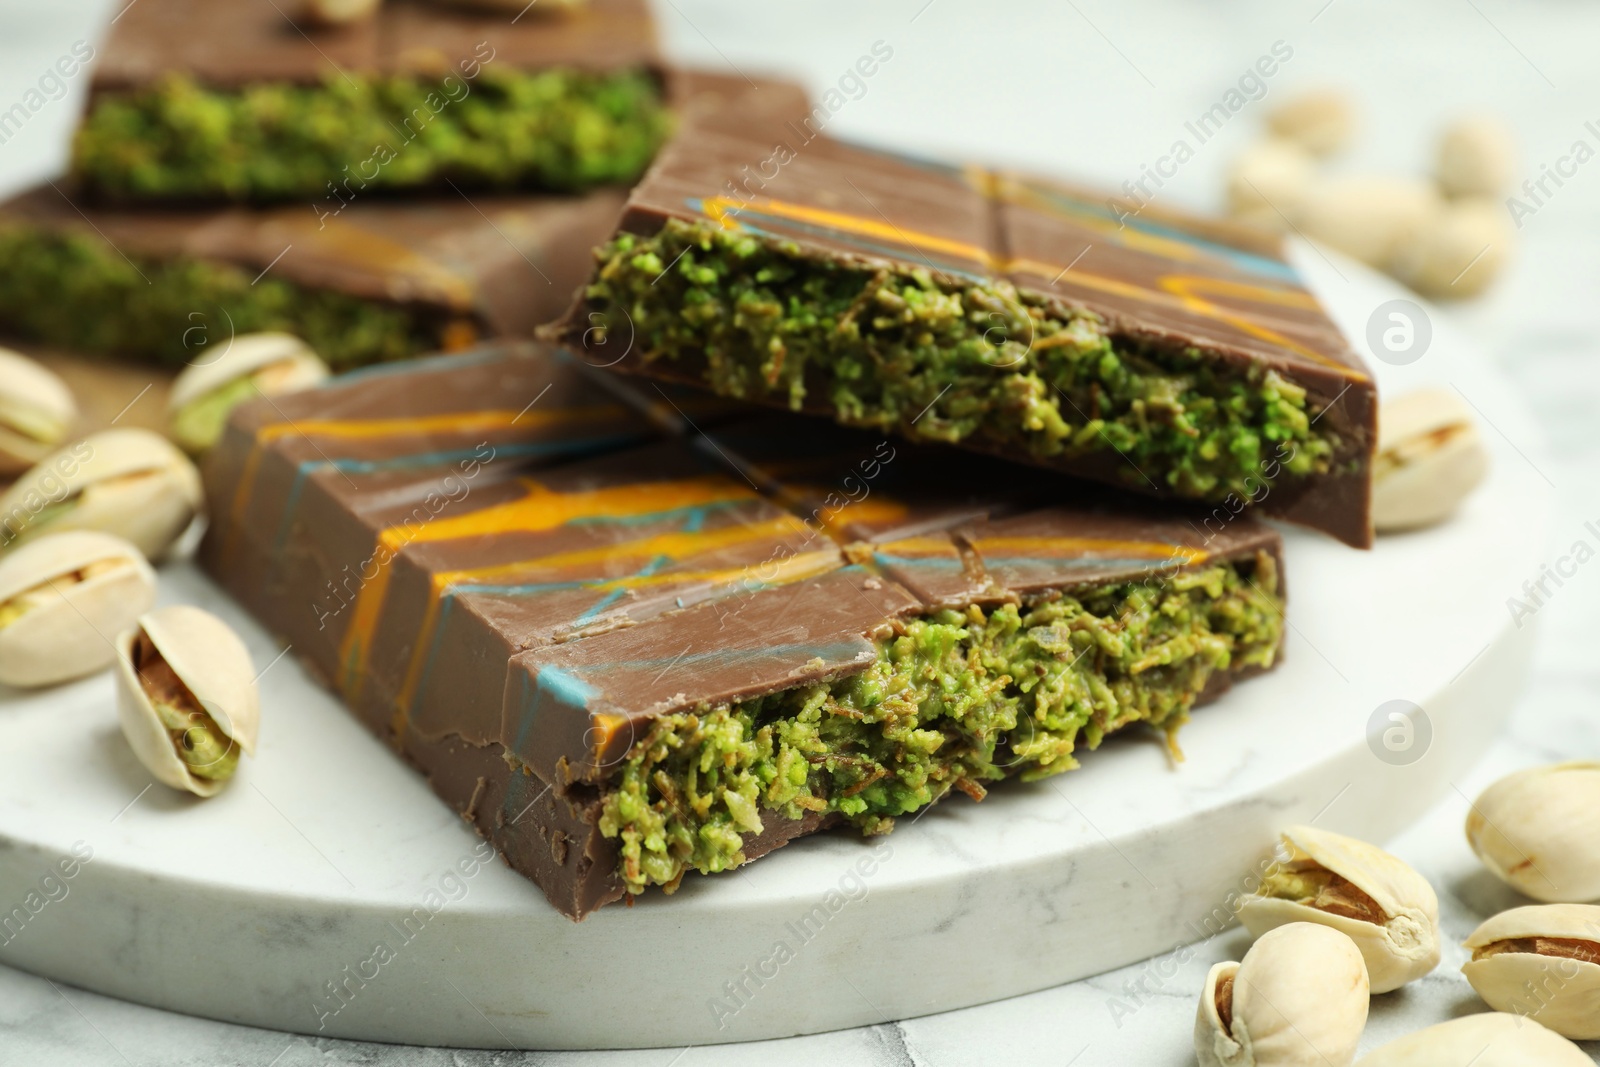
[
  {"x": 81, "y": 528},
  {"x": 1447, "y": 235},
  {"x": 1337, "y": 920}
]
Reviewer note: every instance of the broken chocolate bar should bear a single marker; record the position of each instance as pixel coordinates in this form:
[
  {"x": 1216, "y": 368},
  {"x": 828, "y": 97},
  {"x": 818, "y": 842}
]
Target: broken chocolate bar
[
  {"x": 626, "y": 649},
  {"x": 1166, "y": 355},
  {"x": 230, "y": 100},
  {"x": 381, "y": 280}
]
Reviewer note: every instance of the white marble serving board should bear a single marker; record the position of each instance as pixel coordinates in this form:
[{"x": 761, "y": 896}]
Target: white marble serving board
[{"x": 324, "y": 892}]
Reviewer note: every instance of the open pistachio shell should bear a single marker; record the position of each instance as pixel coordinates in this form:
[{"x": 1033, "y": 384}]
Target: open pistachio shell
[
  {"x": 251, "y": 365},
  {"x": 132, "y": 483},
  {"x": 1297, "y": 999},
  {"x": 61, "y": 598},
  {"x": 36, "y": 412},
  {"x": 187, "y": 698},
  {"x": 1389, "y": 910},
  {"x": 1491, "y": 1039},
  {"x": 1542, "y": 961},
  {"x": 1429, "y": 459}
]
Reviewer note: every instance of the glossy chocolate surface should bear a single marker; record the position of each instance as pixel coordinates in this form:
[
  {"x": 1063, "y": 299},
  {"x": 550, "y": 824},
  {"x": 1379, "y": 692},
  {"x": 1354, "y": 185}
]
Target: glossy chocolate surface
[
  {"x": 1161, "y": 278},
  {"x": 506, "y": 263},
  {"x": 226, "y": 44},
  {"x": 507, "y": 568}
]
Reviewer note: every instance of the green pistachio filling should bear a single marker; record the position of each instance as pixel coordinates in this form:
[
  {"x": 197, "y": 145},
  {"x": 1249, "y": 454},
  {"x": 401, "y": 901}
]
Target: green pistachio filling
[
  {"x": 979, "y": 362},
  {"x": 956, "y": 699},
  {"x": 557, "y": 129},
  {"x": 77, "y": 291}
]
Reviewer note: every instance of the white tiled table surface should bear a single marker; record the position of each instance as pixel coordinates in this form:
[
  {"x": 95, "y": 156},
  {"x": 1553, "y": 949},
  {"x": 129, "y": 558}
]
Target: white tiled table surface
[{"x": 1095, "y": 89}]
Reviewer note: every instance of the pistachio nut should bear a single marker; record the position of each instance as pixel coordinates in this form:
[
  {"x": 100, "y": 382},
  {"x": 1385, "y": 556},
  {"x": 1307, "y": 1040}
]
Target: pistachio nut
[
  {"x": 132, "y": 483},
  {"x": 1299, "y": 997},
  {"x": 1267, "y": 184},
  {"x": 1538, "y": 830},
  {"x": 1542, "y": 961},
  {"x": 36, "y": 411},
  {"x": 543, "y": 7},
  {"x": 1429, "y": 459},
  {"x": 1371, "y": 217},
  {"x": 61, "y": 599},
  {"x": 330, "y": 13},
  {"x": 186, "y": 695},
  {"x": 1476, "y": 158},
  {"x": 1322, "y": 121},
  {"x": 1460, "y": 251},
  {"x": 1389, "y": 910},
  {"x": 252, "y": 365},
  {"x": 1490, "y": 1039}
]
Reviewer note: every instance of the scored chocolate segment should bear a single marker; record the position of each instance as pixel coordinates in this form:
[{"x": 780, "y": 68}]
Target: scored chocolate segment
[
  {"x": 511, "y": 574},
  {"x": 1155, "y": 282},
  {"x": 232, "y": 43},
  {"x": 497, "y": 266}
]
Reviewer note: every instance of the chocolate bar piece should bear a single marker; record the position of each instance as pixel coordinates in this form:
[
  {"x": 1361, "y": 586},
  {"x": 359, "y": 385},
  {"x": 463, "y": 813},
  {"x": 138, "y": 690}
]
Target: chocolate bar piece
[
  {"x": 380, "y": 280},
  {"x": 1014, "y": 316},
  {"x": 626, "y": 648},
  {"x": 229, "y": 99}
]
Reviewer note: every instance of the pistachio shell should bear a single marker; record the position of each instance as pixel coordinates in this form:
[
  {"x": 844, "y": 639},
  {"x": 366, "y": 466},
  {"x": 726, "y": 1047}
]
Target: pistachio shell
[
  {"x": 543, "y": 7},
  {"x": 1476, "y": 157},
  {"x": 1492, "y": 1039},
  {"x": 213, "y": 664},
  {"x": 70, "y": 592},
  {"x": 132, "y": 483},
  {"x": 1322, "y": 120},
  {"x": 332, "y": 13},
  {"x": 1460, "y": 251},
  {"x": 1550, "y": 975},
  {"x": 1429, "y": 459},
  {"x": 1538, "y": 830},
  {"x": 36, "y": 411},
  {"x": 1371, "y": 217},
  {"x": 1399, "y": 945},
  {"x": 1298, "y": 999},
  {"x": 251, "y": 365},
  {"x": 247, "y": 354},
  {"x": 1267, "y": 184}
]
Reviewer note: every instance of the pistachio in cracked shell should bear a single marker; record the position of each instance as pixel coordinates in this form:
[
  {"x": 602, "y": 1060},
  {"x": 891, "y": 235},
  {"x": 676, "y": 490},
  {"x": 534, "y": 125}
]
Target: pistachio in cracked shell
[
  {"x": 132, "y": 483},
  {"x": 1538, "y": 830},
  {"x": 1542, "y": 961},
  {"x": 186, "y": 695},
  {"x": 59, "y": 596},
  {"x": 36, "y": 412},
  {"x": 1297, "y": 999},
  {"x": 252, "y": 365},
  {"x": 1429, "y": 459},
  {"x": 1489, "y": 1039},
  {"x": 328, "y": 14},
  {"x": 1389, "y": 910}
]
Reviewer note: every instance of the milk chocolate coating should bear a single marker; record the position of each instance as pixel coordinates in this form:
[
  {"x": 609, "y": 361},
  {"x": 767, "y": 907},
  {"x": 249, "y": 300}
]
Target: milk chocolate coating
[
  {"x": 504, "y": 263},
  {"x": 227, "y": 44},
  {"x": 509, "y": 570},
  {"x": 1161, "y": 278}
]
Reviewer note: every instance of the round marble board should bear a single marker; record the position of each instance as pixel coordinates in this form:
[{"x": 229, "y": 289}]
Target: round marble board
[{"x": 328, "y": 892}]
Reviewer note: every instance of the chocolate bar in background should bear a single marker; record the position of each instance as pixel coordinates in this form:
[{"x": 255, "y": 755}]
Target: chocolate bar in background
[
  {"x": 382, "y": 280},
  {"x": 1160, "y": 353},
  {"x": 230, "y": 100},
  {"x": 625, "y": 649}
]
